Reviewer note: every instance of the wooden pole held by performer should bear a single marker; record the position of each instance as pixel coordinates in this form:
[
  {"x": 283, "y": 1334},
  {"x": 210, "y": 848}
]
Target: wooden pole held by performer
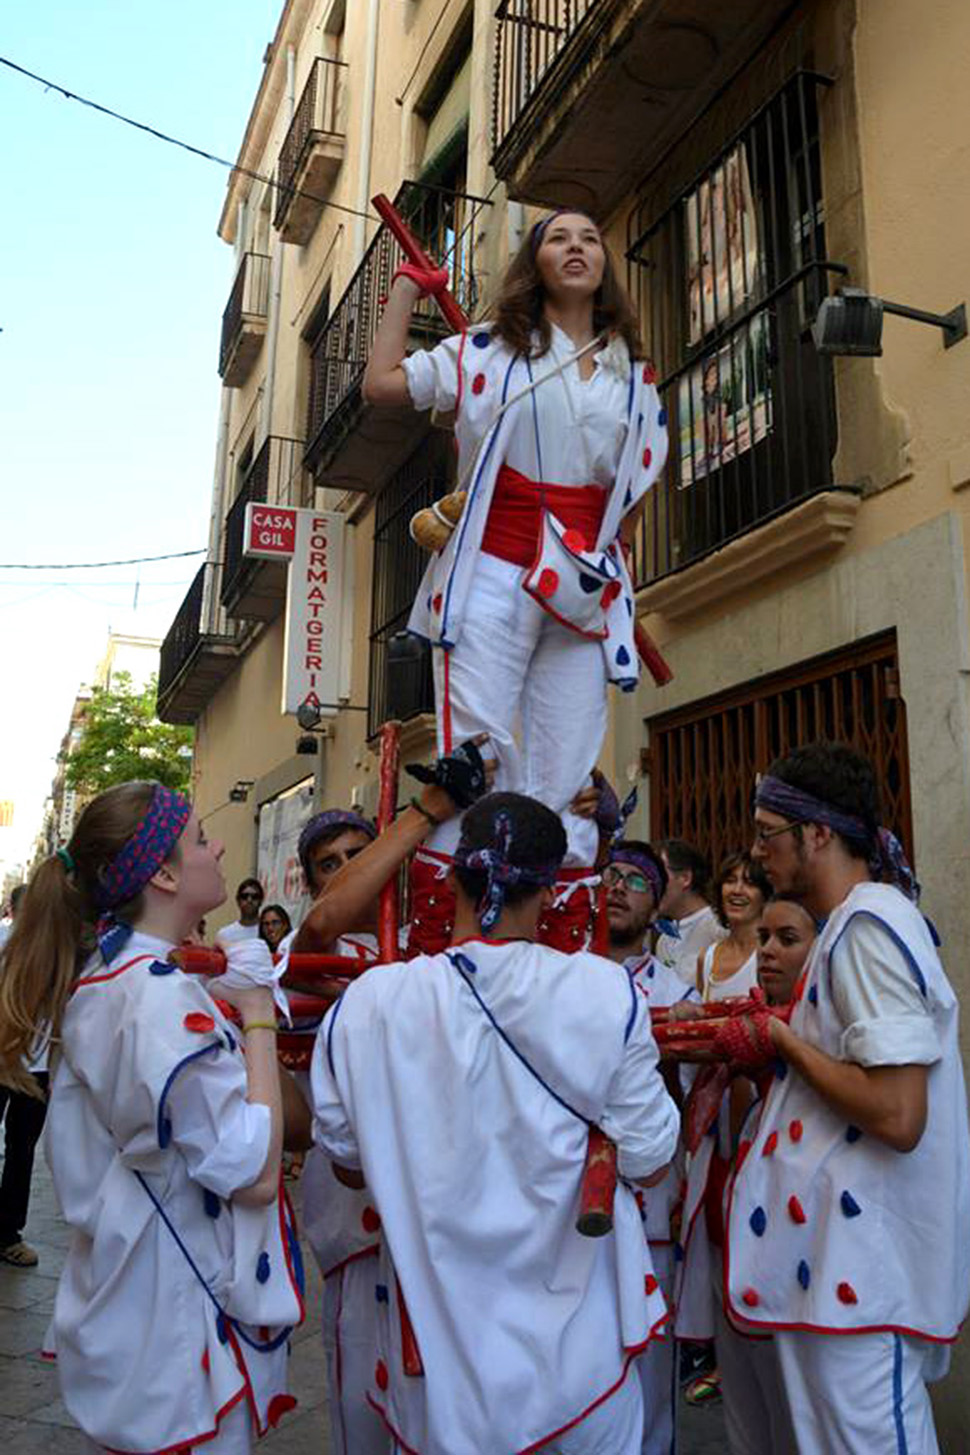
[
  {"x": 388, "y": 913},
  {"x": 598, "y": 1188}
]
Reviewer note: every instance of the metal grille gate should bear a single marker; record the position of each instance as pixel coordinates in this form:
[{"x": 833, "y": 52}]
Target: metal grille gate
[{"x": 703, "y": 758}]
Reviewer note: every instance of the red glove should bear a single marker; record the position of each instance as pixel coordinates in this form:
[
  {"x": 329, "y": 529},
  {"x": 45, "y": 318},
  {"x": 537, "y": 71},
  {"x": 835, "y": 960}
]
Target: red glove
[{"x": 430, "y": 280}]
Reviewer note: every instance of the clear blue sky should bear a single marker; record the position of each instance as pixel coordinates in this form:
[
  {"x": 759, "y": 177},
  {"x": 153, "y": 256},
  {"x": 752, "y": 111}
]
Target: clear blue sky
[{"x": 113, "y": 288}]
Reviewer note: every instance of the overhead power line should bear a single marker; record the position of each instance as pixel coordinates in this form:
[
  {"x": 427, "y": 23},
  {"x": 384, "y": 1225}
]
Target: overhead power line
[{"x": 96, "y": 565}]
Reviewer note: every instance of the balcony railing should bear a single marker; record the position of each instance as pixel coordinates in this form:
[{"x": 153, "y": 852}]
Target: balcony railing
[
  {"x": 530, "y": 35},
  {"x": 445, "y": 222},
  {"x": 198, "y": 653},
  {"x": 312, "y": 151},
  {"x": 250, "y": 587},
  {"x": 729, "y": 277},
  {"x": 244, "y": 319}
]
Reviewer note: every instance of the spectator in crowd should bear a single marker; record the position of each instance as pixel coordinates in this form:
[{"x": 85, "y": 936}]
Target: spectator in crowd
[
  {"x": 692, "y": 924},
  {"x": 249, "y": 898},
  {"x": 274, "y": 925},
  {"x": 729, "y": 967},
  {"x": 23, "y": 1121}
]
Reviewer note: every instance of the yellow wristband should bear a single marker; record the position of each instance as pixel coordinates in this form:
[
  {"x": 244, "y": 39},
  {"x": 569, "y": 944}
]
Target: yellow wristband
[{"x": 259, "y": 1026}]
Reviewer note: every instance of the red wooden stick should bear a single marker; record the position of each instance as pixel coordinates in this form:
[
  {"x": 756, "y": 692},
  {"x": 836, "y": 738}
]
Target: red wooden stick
[
  {"x": 388, "y": 916},
  {"x": 200, "y": 960},
  {"x": 598, "y": 1188},
  {"x": 410, "y": 1353}
]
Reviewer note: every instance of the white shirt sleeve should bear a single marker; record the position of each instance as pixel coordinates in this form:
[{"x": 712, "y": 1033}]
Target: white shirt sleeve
[
  {"x": 640, "y": 1116},
  {"x": 223, "y": 1137},
  {"x": 432, "y": 376},
  {"x": 331, "y": 1126},
  {"x": 887, "y": 1018}
]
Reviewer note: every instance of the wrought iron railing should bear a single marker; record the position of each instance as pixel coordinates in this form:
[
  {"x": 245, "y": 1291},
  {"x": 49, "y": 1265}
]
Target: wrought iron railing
[
  {"x": 530, "y": 36},
  {"x": 183, "y": 635},
  {"x": 445, "y": 223},
  {"x": 318, "y": 114},
  {"x": 276, "y": 478},
  {"x": 402, "y": 688},
  {"x": 248, "y": 298},
  {"x": 728, "y": 278}
]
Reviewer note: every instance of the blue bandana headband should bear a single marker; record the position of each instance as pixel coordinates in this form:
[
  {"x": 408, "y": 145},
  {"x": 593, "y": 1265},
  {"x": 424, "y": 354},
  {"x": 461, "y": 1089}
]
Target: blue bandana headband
[
  {"x": 500, "y": 874},
  {"x": 887, "y": 862},
  {"x": 152, "y": 842},
  {"x": 620, "y": 854},
  {"x": 322, "y": 823}
]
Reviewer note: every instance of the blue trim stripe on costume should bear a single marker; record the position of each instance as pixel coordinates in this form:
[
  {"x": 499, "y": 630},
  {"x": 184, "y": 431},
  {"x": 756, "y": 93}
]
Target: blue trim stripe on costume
[
  {"x": 535, "y": 422},
  {"x": 330, "y": 1025},
  {"x": 902, "y": 1445},
  {"x": 633, "y": 1011},
  {"x": 163, "y": 1129},
  {"x": 900, "y": 944},
  {"x": 453, "y": 961},
  {"x": 466, "y": 513}
]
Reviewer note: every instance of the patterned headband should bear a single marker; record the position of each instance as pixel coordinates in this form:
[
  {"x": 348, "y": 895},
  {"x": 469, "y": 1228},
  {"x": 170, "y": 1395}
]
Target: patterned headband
[
  {"x": 887, "y": 861},
  {"x": 152, "y": 842},
  {"x": 322, "y": 823},
  {"x": 646, "y": 863},
  {"x": 500, "y": 874}
]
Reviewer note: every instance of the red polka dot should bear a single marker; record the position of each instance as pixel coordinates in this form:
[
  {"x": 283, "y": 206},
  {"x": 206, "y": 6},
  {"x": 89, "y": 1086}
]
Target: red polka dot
[
  {"x": 478, "y": 383},
  {"x": 743, "y": 1149},
  {"x": 279, "y": 1405},
  {"x": 370, "y": 1220},
  {"x": 197, "y": 1020},
  {"x": 795, "y": 1130},
  {"x": 436, "y": 604},
  {"x": 205, "y": 1360},
  {"x": 771, "y": 1143},
  {"x": 846, "y": 1293},
  {"x": 574, "y": 540},
  {"x": 380, "y": 1375},
  {"x": 650, "y": 1284},
  {"x": 548, "y": 583},
  {"x": 649, "y": 374},
  {"x": 750, "y": 1297},
  {"x": 610, "y": 592},
  {"x": 795, "y": 1210},
  {"x": 647, "y": 457}
]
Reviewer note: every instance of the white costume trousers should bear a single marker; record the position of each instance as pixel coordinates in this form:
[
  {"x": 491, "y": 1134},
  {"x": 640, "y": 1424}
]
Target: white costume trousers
[
  {"x": 756, "y": 1415},
  {"x": 350, "y": 1346},
  {"x": 539, "y": 691},
  {"x": 861, "y": 1394},
  {"x": 657, "y": 1368}
]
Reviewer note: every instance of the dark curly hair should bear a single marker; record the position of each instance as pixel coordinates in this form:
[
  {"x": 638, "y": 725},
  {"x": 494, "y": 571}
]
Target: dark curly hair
[
  {"x": 518, "y": 309},
  {"x": 538, "y": 840},
  {"x": 838, "y": 775}
]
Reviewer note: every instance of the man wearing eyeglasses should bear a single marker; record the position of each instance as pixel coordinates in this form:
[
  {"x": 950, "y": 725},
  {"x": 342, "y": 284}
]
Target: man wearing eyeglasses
[
  {"x": 636, "y": 880},
  {"x": 851, "y": 1204}
]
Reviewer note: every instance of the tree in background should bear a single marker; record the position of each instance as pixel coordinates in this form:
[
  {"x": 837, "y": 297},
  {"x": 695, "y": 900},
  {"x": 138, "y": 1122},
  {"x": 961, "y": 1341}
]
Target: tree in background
[{"x": 122, "y": 738}]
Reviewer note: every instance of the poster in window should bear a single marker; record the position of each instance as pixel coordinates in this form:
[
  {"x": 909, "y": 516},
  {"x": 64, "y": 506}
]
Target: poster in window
[
  {"x": 724, "y": 403},
  {"x": 723, "y": 259}
]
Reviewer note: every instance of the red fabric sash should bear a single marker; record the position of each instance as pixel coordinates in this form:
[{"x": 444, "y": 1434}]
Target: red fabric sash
[{"x": 515, "y": 514}]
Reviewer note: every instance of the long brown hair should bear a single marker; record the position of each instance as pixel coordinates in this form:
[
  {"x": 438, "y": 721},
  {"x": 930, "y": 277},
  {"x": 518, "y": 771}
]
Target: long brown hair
[
  {"x": 55, "y": 926},
  {"x": 518, "y": 309}
]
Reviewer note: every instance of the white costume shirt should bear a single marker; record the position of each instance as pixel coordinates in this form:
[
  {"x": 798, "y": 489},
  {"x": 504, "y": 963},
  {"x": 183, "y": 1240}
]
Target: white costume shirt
[
  {"x": 464, "y": 1084},
  {"x": 174, "y": 1302},
  {"x": 231, "y": 933},
  {"x": 697, "y": 931},
  {"x": 742, "y": 982},
  {"x": 831, "y": 1230},
  {"x": 610, "y": 430}
]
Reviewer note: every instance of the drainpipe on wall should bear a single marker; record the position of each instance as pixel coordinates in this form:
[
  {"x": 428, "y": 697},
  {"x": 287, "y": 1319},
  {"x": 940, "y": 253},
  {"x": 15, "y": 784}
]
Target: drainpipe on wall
[
  {"x": 276, "y": 287},
  {"x": 366, "y": 131}
]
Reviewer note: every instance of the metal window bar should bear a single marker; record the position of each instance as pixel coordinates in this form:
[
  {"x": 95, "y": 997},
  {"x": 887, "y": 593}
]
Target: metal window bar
[
  {"x": 275, "y": 477},
  {"x": 704, "y": 758},
  {"x": 404, "y": 689},
  {"x": 727, "y": 278},
  {"x": 444, "y": 222},
  {"x": 318, "y": 114},
  {"x": 248, "y": 298},
  {"x": 530, "y": 36}
]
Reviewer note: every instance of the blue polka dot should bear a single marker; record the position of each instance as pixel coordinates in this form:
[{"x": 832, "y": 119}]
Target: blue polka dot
[
  {"x": 651, "y": 971},
  {"x": 628, "y": 497},
  {"x": 758, "y": 1221},
  {"x": 262, "y": 1268},
  {"x": 629, "y": 606},
  {"x": 678, "y": 1253},
  {"x": 160, "y": 967},
  {"x": 852, "y": 1134},
  {"x": 589, "y": 584},
  {"x": 780, "y": 1068},
  {"x": 222, "y": 1329},
  {"x": 639, "y": 423},
  {"x": 211, "y": 1202},
  {"x": 662, "y": 418},
  {"x": 622, "y": 656},
  {"x": 849, "y": 1205},
  {"x": 380, "y": 1293},
  {"x": 813, "y": 995},
  {"x": 804, "y": 1274},
  {"x": 481, "y": 340},
  {"x": 165, "y": 1133},
  {"x": 464, "y": 964},
  {"x": 230, "y": 1041}
]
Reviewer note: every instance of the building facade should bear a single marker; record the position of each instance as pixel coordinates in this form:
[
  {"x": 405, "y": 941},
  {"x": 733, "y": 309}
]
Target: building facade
[{"x": 803, "y": 562}]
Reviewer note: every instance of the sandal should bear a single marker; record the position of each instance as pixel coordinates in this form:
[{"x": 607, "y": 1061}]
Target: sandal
[
  {"x": 21, "y": 1255},
  {"x": 705, "y": 1389}
]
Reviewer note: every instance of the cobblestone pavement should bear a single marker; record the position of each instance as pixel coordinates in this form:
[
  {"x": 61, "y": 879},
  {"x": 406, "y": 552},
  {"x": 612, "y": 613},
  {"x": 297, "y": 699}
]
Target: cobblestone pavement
[{"x": 33, "y": 1420}]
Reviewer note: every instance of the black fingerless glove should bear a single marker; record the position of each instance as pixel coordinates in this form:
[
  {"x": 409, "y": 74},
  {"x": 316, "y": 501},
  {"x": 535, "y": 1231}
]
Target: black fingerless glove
[{"x": 461, "y": 773}]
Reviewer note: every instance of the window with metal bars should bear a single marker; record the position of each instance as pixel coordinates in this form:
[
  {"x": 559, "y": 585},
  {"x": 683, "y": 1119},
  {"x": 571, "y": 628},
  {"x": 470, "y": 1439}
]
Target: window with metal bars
[
  {"x": 704, "y": 758},
  {"x": 728, "y": 277},
  {"x": 402, "y": 688}
]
